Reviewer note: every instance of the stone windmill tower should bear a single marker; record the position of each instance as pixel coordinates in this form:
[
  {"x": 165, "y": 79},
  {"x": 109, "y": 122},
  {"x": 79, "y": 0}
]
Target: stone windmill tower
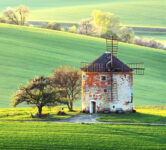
[{"x": 107, "y": 83}]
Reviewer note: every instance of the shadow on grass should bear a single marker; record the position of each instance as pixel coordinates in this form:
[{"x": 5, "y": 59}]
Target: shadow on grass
[
  {"x": 24, "y": 116},
  {"x": 133, "y": 118}
]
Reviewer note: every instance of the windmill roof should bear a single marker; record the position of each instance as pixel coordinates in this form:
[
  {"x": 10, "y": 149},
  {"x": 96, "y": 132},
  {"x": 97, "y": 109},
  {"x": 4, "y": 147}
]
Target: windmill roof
[{"x": 103, "y": 64}]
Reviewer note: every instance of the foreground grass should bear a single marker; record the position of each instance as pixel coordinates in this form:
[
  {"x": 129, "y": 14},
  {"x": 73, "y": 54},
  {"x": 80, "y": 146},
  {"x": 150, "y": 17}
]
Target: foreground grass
[
  {"x": 31, "y": 136},
  {"x": 144, "y": 114},
  {"x": 29, "y": 52},
  {"x": 25, "y": 114}
]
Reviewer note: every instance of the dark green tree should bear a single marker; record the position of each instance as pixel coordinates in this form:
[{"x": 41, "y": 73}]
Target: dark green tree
[{"x": 38, "y": 92}]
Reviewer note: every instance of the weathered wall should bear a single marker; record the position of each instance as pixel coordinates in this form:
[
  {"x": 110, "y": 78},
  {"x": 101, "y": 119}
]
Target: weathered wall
[{"x": 93, "y": 89}]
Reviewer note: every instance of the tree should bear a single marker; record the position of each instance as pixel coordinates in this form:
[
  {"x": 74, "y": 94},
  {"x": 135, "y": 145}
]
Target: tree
[
  {"x": 70, "y": 80},
  {"x": 16, "y": 16},
  {"x": 53, "y": 26},
  {"x": 126, "y": 34},
  {"x": 38, "y": 92},
  {"x": 105, "y": 20},
  {"x": 86, "y": 26}
]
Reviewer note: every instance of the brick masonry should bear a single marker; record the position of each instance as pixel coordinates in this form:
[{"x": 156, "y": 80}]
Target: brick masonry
[{"x": 96, "y": 87}]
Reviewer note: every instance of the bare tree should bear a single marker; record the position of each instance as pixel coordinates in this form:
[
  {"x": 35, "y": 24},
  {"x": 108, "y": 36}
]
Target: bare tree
[
  {"x": 23, "y": 12},
  {"x": 70, "y": 81},
  {"x": 11, "y": 16},
  {"x": 85, "y": 26},
  {"x": 16, "y": 16}
]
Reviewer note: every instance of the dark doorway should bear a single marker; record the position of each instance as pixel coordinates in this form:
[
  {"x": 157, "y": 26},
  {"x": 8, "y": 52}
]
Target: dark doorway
[{"x": 94, "y": 107}]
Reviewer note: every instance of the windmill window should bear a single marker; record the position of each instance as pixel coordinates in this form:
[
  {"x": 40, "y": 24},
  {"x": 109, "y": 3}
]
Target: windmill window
[
  {"x": 83, "y": 77},
  {"x": 103, "y": 78},
  {"x": 113, "y": 106},
  {"x": 105, "y": 90}
]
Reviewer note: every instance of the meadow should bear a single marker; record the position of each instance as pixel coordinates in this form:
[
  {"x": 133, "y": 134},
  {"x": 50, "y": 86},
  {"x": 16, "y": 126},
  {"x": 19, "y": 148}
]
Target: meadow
[
  {"x": 27, "y": 52},
  {"x": 20, "y": 114},
  {"x": 151, "y": 34},
  {"x": 35, "y": 135},
  {"x": 144, "y": 114},
  {"x": 132, "y": 12}
]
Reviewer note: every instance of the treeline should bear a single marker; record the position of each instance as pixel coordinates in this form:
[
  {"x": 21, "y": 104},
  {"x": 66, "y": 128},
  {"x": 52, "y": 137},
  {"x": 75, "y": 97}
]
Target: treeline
[
  {"x": 100, "y": 24},
  {"x": 106, "y": 25}
]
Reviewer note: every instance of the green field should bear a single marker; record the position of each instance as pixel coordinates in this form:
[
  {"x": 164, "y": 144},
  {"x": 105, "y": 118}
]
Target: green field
[
  {"x": 13, "y": 114},
  {"x": 29, "y": 52},
  {"x": 144, "y": 114},
  {"x": 33, "y": 135},
  {"x": 131, "y": 12},
  {"x": 151, "y": 34}
]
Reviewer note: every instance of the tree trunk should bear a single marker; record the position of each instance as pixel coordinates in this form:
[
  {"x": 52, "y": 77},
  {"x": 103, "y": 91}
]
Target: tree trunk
[
  {"x": 71, "y": 106},
  {"x": 40, "y": 111}
]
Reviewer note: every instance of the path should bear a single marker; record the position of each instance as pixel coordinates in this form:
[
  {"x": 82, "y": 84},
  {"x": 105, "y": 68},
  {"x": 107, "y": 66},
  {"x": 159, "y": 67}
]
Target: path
[
  {"x": 87, "y": 118},
  {"x": 81, "y": 119}
]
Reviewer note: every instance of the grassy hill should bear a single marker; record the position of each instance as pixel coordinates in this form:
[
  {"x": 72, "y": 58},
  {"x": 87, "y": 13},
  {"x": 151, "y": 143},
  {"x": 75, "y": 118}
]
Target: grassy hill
[
  {"x": 151, "y": 34},
  {"x": 131, "y": 12},
  {"x": 28, "y": 52}
]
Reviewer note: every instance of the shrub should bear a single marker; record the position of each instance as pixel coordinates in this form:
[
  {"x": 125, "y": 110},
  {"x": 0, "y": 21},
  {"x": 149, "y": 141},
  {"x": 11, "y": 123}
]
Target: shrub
[
  {"x": 53, "y": 26},
  {"x": 73, "y": 29},
  {"x": 148, "y": 43}
]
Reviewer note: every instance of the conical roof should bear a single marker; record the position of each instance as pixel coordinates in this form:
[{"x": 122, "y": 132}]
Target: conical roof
[{"x": 103, "y": 64}]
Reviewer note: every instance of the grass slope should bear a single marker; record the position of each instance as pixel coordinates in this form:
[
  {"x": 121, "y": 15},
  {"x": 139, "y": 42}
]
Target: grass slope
[
  {"x": 151, "y": 34},
  {"x": 131, "y": 12},
  {"x": 31, "y": 136},
  {"x": 28, "y": 52},
  {"x": 136, "y": 13}
]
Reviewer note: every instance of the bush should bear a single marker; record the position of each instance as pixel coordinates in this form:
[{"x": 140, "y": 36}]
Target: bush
[
  {"x": 126, "y": 34},
  {"x": 73, "y": 29},
  {"x": 148, "y": 43},
  {"x": 53, "y": 26},
  {"x": 2, "y": 20}
]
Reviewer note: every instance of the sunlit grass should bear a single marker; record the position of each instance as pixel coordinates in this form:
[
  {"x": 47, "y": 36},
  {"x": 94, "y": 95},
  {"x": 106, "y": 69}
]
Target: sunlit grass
[
  {"x": 135, "y": 13},
  {"x": 132, "y": 12},
  {"x": 35, "y": 135},
  {"x": 144, "y": 114},
  {"x": 25, "y": 113}
]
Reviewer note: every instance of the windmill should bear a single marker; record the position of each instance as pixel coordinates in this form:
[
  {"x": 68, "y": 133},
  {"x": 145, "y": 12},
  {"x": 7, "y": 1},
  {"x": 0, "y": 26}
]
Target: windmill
[
  {"x": 107, "y": 82},
  {"x": 112, "y": 46}
]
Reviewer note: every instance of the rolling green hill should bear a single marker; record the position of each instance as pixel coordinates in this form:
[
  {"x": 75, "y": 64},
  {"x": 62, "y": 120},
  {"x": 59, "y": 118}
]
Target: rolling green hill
[
  {"x": 131, "y": 12},
  {"x": 27, "y": 52}
]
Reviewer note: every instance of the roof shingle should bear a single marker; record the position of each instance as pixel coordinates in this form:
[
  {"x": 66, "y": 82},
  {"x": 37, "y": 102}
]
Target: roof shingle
[{"x": 103, "y": 64}]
